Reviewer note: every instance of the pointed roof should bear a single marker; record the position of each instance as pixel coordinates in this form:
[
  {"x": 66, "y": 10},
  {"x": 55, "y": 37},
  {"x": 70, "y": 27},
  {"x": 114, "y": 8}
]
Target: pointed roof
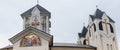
[
  {"x": 41, "y": 9},
  {"x": 92, "y": 17},
  {"x": 111, "y": 20},
  {"x": 98, "y": 14},
  {"x": 84, "y": 32}
]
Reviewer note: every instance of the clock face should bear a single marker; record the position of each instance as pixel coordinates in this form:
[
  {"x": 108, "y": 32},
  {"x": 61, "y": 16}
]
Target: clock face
[{"x": 31, "y": 40}]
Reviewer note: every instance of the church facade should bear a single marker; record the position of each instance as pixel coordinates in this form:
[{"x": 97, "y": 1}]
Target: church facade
[
  {"x": 98, "y": 35},
  {"x": 100, "y": 32}
]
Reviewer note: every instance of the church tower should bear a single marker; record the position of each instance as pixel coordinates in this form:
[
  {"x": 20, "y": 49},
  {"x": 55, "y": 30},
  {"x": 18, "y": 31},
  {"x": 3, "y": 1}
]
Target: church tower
[
  {"x": 100, "y": 32},
  {"x": 35, "y": 34},
  {"x": 37, "y": 17}
]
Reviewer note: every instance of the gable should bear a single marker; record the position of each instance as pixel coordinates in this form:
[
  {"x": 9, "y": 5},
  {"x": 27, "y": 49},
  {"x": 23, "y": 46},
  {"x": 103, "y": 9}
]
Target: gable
[
  {"x": 104, "y": 17},
  {"x": 99, "y": 15},
  {"x": 31, "y": 30}
]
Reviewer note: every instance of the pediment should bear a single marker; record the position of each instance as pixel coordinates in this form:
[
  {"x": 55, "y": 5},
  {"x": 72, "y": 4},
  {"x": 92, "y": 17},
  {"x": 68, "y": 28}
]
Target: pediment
[
  {"x": 105, "y": 17},
  {"x": 32, "y": 30}
]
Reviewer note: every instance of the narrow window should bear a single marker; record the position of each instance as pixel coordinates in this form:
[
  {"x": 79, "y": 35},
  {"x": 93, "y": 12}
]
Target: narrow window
[
  {"x": 84, "y": 42},
  {"x": 94, "y": 27},
  {"x": 111, "y": 28},
  {"x": 100, "y": 26},
  {"x": 111, "y": 47},
  {"x": 114, "y": 39}
]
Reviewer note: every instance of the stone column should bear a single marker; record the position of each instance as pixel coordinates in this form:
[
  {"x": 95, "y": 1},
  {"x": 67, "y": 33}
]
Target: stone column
[{"x": 47, "y": 24}]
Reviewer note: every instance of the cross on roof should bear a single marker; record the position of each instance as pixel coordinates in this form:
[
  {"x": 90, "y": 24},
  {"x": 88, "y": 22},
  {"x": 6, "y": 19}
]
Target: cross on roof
[
  {"x": 105, "y": 21},
  {"x": 37, "y": 1},
  {"x": 96, "y": 6}
]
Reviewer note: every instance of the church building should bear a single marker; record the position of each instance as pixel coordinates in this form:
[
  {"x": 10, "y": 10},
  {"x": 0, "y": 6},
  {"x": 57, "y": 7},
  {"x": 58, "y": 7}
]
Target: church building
[{"x": 100, "y": 33}]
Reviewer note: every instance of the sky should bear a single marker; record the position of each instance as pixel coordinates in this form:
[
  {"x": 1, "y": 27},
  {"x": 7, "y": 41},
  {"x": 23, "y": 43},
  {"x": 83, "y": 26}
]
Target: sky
[{"x": 67, "y": 17}]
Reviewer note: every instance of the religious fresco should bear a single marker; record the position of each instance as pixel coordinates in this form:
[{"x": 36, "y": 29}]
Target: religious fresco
[
  {"x": 35, "y": 23},
  {"x": 30, "y": 40}
]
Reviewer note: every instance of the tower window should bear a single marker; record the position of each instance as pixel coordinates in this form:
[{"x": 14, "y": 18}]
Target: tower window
[
  {"x": 94, "y": 27},
  {"x": 100, "y": 26},
  {"x": 84, "y": 42},
  {"x": 111, "y": 28},
  {"x": 113, "y": 39},
  {"x": 27, "y": 18}
]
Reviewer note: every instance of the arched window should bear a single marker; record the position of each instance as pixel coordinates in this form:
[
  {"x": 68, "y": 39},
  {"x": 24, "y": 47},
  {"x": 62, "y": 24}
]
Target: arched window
[
  {"x": 100, "y": 26},
  {"x": 113, "y": 39},
  {"x": 94, "y": 27},
  {"x": 84, "y": 42},
  {"x": 111, "y": 28}
]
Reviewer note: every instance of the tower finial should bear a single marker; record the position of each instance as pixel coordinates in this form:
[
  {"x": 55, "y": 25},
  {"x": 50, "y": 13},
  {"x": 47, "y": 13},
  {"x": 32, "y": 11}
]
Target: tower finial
[
  {"x": 97, "y": 6},
  {"x": 37, "y": 1},
  {"x": 83, "y": 24}
]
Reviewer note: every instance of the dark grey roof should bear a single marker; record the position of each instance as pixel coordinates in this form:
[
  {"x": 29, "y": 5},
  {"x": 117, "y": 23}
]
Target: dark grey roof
[
  {"x": 71, "y": 45},
  {"x": 111, "y": 20},
  {"x": 92, "y": 17},
  {"x": 84, "y": 32},
  {"x": 42, "y": 10},
  {"x": 98, "y": 14},
  {"x": 9, "y": 46},
  {"x": 61, "y": 45}
]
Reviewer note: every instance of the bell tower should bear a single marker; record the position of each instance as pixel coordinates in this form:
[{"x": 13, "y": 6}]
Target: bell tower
[
  {"x": 100, "y": 32},
  {"x": 37, "y": 17}
]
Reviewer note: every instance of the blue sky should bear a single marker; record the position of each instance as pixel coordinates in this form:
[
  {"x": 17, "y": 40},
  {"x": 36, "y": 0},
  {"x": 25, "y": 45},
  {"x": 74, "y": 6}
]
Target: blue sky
[{"x": 67, "y": 17}]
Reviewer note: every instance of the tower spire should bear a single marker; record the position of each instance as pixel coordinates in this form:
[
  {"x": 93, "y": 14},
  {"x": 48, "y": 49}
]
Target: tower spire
[
  {"x": 97, "y": 6},
  {"x": 83, "y": 24}
]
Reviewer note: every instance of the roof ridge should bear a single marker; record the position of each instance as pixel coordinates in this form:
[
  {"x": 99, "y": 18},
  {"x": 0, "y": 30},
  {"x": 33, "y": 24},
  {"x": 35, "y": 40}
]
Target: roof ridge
[{"x": 41, "y": 9}]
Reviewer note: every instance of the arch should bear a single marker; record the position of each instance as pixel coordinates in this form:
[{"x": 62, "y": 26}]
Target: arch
[
  {"x": 94, "y": 27},
  {"x": 30, "y": 40},
  {"x": 84, "y": 42},
  {"x": 111, "y": 28},
  {"x": 100, "y": 26}
]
